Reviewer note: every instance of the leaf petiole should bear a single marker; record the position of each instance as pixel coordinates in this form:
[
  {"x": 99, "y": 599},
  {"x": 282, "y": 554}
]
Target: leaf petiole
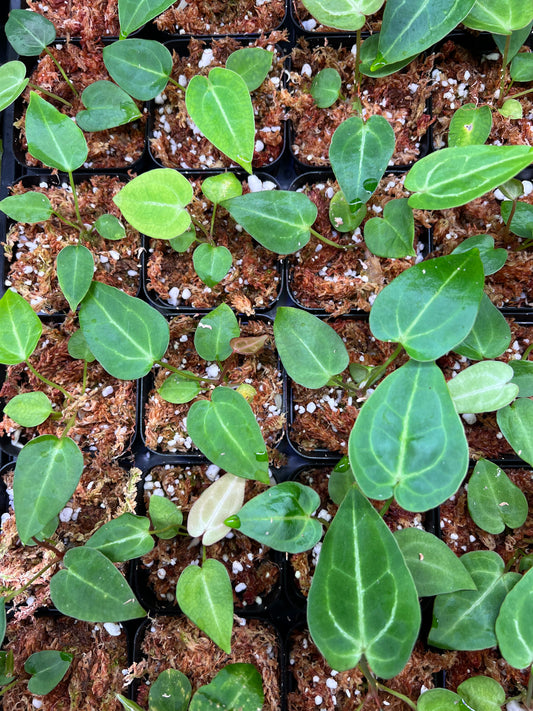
[
  {"x": 48, "y": 382},
  {"x": 330, "y": 241},
  {"x": 49, "y": 93},
  {"x": 62, "y": 71}
]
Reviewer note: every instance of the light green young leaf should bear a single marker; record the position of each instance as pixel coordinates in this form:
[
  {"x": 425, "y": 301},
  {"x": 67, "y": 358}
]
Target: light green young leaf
[
  {"x": 54, "y": 138},
  {"x": 133, "y": 14},
  {"x": 408, "y": 440},
  {"x": 483, "y": 387},
  {"x": 325, "y": 87},
  {"x": 369, "y": 54},
  {"x": 29, "y": 32},
  {"x": 252, "y": 64},
  {"x": 47, "y": 472},
  {"x": 516, "y": 423},
  {"x": 454, "y": 176},
  {"x": 438, "y": 700},
  {"x": 47, "y": 669},
  {"x": 493, "y": 259},
  {"x": 140, "y": 67},
  {"x": 154, "y": 203},
  {"x": 179, "y": 389},
  {"x": 518, "y": 37},
  {"x": 372, "y": 142},
  {"x": 12, "y": 82},
  {"x": 29, "y": 207},
  {"x": 523, "y": 376},
  {"x": 90, "y": 588},
  {"x": 205, "y": 595},
  {"x": 281, "y": 518},
  {"x": 310, "y": 350},
  {"x": 223, "y": 498},
  {"x": 511, "y": 108},
  {"x": 109, "y": 227},
  {"x": 236, "y": 686},
  {"x": 490, "y": 334},
  {"x": 481, "y": 693},
  {"x": 182, "y": 242},
  {"x": 513, "y": 625},
  {"x": 341, "y": 215},
  {"x": 75, "y": 271},
  {"x": 166, "y": 517},
  {"x": 499, "y": 16},
  {"x": 221, "y": 187},
  {"x": 214, "y": 333},
  {"x": 522, "y": 222},
  {"x": 20, "y": 328},
  {"x": 125, "y": 334},
  {"x": 393, "y": 234},
  {"x": 128, "y": 704},
  {"x": 431, "y": 307},
  {"x": 363, "y": 600},
  {"x": 426, "y": 557},
  {"x": 470, "y": 125},
  {"x": 106, "y": 106},
  {"x": 342, "y": 14},
  {"x": 225, "y": 430},
  {"x": 123, "y": 538},
  {"x": 171, "y": 691},
  {"x": 221, "y": 107},
  {"x": 211, "y": 263},
  {"x": 78, "y": 347},
  {"x": 493, "y": 500},
  {"x": 277, "y": 219},
  {"x": 465, "y": 620},
  {"x": 29, "y": 409}
]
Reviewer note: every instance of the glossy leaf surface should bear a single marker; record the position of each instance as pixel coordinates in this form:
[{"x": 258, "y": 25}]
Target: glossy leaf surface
[
  {"x": 75, "y": 271},
  {"x": 47, "y": 472},
  {"x": 106, "y": 106},
  {"x": 166, "y": 517},
  {"x": 325, "y": 87},
  {"x": 205, "y": 595},
  {"x": 223, "y": 498},
  {"x": 465, "y": 620},
  {"x": 342, "y": 14},
  {"x": 252, "y": 64},
  {"x": 499, "y": 16},
  {"x": 492, "y": 259},
  {"x": 171, "y": 691},
  {"x": 236, "y": 686},
  {"x": 426, "y": 557},
  {"x": 133, "y": 14},
  {"x": 481, "y": 693},
  {"x": 483, "y": 387},
  {"x": 214, "y": 333},
  {"x": 12, "y": 82},
  {"x": 109, "y": 227},
  {"x": 221, "y": 187},
  {"x": 408, "y": 440},
  {"x": 20, "y": 327},
  {"x": 125, "y": 334},
  {"x": 221, "y": 107},
  {"x": 211, "y": 263},
  {"x": 369, "y": 54},
  {"x": 29, "y": 409},
  {"x": 29, "y": 32},
  {"x": 29, "y": 207},
  {"x": 430, "y": 307},
  {"x": 123, "y": 538},
  {"x": 490, "y": 334},
  {"x": 54, "y": 138},
  {"x": 47, "y": 669},
  {"x": 179, "y": 389},
  {"x": 393, "y": 234},
  {"x": 454, "y": 176},
  {"x": 78, "y": 347},
  {"x": 516, "y": 423},
  {"x": 513, "y": 625},
  {"x": 363, "y": 600},
  {"x": 140, "y": 67},
  {"x": 359, "y": 154},
  {"x": 493, "y": 500},
  {"x": 278, "y": 219},
  {"x": 438, "y": 700},
  {"x": 470, "y": 125},
  {"x": 309, "y": 348}
]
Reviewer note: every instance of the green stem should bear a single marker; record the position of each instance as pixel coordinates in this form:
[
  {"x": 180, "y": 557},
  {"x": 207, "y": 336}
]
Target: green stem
[
  {"x": 9, "y": 686},
  {"x": 182, "y": 373},
  {"x": 336, "y": 381},
  {"x": 529, "y": 694},
  {"x": 329, "y": 241},
  {"x": 176, "y": 84},
  {"x": 527, "y": 352},
  {"x": 520, "y": 93},
  {"x": 67, "y": 222},
  {"x": 504, "y": 65},
  {"x": 69, "y": 426},
  {"x": 380, "y": 370},
  {"x": 213, "y": 220},
  {"x": 397, "y": 694},
  {"x": 357, "y": 70},
  {"x": 386, "y": 506},
  {"x": 50, "y": 94},
  {"x": 372, "y": 683},
  {"x": 62, "y": 71},
  {"x": 158, "y": 531},
  {"x": 49, "y": 382},
  {"x": 507, "y": 229},
  {"x": 198, "y": 224},
  {"x": 75, "y": 196},
  {"x": 14, "y": 594}
]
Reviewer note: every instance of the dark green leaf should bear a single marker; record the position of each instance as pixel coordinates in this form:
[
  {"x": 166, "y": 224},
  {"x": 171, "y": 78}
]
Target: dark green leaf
[
  {"x": 29, "y": 32},
  {"x": 493, "y": 259},
  {"x": 498, "y": 16},
  {"x": 493, "y": 500},
  {"x": 523, "y": 376},
  {"x": 123, "y": 538},
  {"x": 454, "y": 176},
  {"x": 78, "y": 347},
  {"x": 182, "y": 242},
  {"x": 490, "y": 334},
  {"x": 171, "y": 691},
  {"x": 236, "y": 686},
  {"x": 225, "y": 430},
  {"x": 326, "y": 87},
  {"x": 483, "y": 387},
  {"x": 522, "y": 222},
  {"x": 341, "y": 215},
  {"x": 109, "y": 227},
  {"x": 221, "y": 187},
  {"x": 140, "y": 67},
  {"x": 340, "y": 481},
  {"x": 133, "y": 14},
  {"x": 12, "y": 82},
  {"x": 47, "y": 472},
  {"x": 75, "y": 271},
  {"x": 277, "y": 219},
  {"x": 369, "y": 54},
  {"x": 431, "y": 307},
  {"x": 29, "y": 409},
  {"x": 205, "y": 595},
  {"x": 20, "y": 328},
  {"x": 518, "y": 37},
  {"x": 107, "y": 106},
  {"x": 29, "y": 207},
  {"x": 363, "y": 600},
  {"x": 125, "y": 334},
  {"x": 481, "y": 693},
  {"x": 179, "y": 389},
  {"x": 47, "y": 669},
  {"x": 470, "y": 125},
  {"x": 166, "y": 517},
  {"x": 310, "y": 350},
  {"x": 342, "y": 14},
  {"x": 513, "y": 626},
  {"x": 516, "y": 423},
  {"x": 211, "y": 263},
  {"x": 90, "y": 588},
  {"x": 408, "y": 440},
  {"x": 393, "y": 234},
  {"x": 464, "y": 620},
  {"x": 214, "y": 333},
  {"x": 252, "y": 64}
]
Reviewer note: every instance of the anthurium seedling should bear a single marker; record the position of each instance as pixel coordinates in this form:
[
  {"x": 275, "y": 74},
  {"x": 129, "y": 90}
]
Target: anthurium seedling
[
  {"x": 478, "y": 692},
  {"x": 133, "y": 15},
  {"x": 494, "y": 502},
  {"x": 326, "y": 87},
  {"x": 47, "y": 669},
  {"x": 342, "y": 14},
  {"x": 140, "y": 67}
]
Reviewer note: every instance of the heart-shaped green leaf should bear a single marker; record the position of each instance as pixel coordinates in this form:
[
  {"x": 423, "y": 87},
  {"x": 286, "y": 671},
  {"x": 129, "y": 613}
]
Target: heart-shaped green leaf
[
  {"x": 154, "y": 203},
  {"x": 178, "y": 388},
  {"x": 171, "y": 691},
  {"x": 123, "y": 538},
  {"x": 431, "y": 307},
  {"x": 454, "y": 176},
  {"x": 408, "y": 440},
  {"x": 75, "y": 271},
  {"x": 223, "y": 498},
  {"x": 133, "y": 14},
  {"x": 511, "y": 108},
  {"x": 78, "y": 347},
  {"x": 54, "y": 138},
  {"x": 166, "y": 517},
  {"x": 125, "y": 334},
  {"x": 90, "y": 588},
  {"x": 363, "y": 600},
  {"x": 464, "y": 620},
  {"x": 326, "y": 87},
  {"x": 522, "y": 220},
  {"x": 499, "y": 16},
  {"x": 29, "y": 409},
  {"x": 211, "y": 263},
  {"x": 426, "y": 557},
  {"x": 310, "y": 350},
  {"x": 47, "y": 669},
  {"x": 109, "y": 227},
  {"x": 277, "y": 219},
  {"x": 236, "y": 686},
  {"x": 252, "y": 64},
  {"x": 221, "y": 187},
  {"x": 206, "y": 597},
  {"x": 20, "y": 328},
  {"x": 12, "y": 82},
  {"x": 513, "y": 625},
  {"x": 470, "y": 125},
  {"x": 523, "y": 376},
  {"x": 107, "y": 106},
  {"x": 48, "y": 470},
  {"x": 29, "y": 32},
  {"x": 225, "y": 430},
  {"x": 438, "y": 700},
  {"x": 493, "y": 500},
  {"x": 182, "y": 242},
  {"x": 214, "y": 333},
  {"x": 492, "y": 259},
  {"x": 221, "y": 107},
  {"x": 281, "y": 518},
  {"x": 483, "y": 387},
  {"x": 516, "y": 423},
  {"x": 29, "y": 207},
  {"x": 481, "y": 693},
  {"x": 490, "y": 334},
  {"x": 342, "y": 14},
  {"x": 393, "y": 234},
  {"x": 372, "y": 142},
  {"x": 140, "y": 67}
]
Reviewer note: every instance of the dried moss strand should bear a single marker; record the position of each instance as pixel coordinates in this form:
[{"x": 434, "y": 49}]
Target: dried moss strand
[
  {"x": 48, "y": 382},
  {"x": 62, "y": 71}
]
